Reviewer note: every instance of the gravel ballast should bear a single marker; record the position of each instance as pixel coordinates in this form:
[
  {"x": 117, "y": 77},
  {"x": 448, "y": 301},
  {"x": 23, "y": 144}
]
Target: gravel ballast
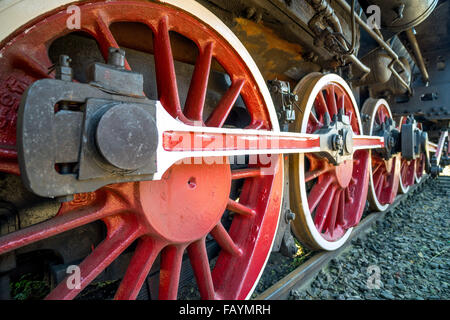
[{"x": 404, "y": 256}]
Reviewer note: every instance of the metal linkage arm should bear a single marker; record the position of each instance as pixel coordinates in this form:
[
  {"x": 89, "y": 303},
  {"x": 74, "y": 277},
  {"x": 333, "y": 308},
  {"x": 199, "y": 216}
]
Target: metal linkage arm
[
  {"x": 440, "y": 146},
  {"x": 180, "y": 141},
  {"x": 75, "y": 138},
  {"x": 436, "y": 157}
]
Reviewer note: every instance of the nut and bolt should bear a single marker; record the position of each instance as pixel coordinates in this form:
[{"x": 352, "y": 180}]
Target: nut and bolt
[
  {"x": 116, "y": 57},
  {"x": 391, "y": 142},
  {"x": 63, "y": 70},
  {"x": 337, "y": 142},
  {"x": 289, "y": 215},
  {"x": 365, "y": 117}
]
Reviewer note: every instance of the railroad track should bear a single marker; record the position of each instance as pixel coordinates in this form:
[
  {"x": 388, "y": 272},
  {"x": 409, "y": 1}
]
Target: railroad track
[{"x": 306, "y": 272}]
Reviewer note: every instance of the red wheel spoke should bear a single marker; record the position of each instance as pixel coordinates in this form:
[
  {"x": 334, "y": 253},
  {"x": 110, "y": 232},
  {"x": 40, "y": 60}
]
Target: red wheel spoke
[
  {"x": 320, "y": 104},
  {"x": 377, "y": 178},
  {"x": 379, "y": 186},
  {"x": 221, "y": 112},
  {"x": 34, "y": 61},
  {"x": 165, "y": 70},
  {"x": 257, "y": 124},
  {"x": 224, "y": 240},
  {"x": 310, "y": 175},
  {"x": 314, "y": 120},
  {"x": 341, "y": 210},
  {"x": 106, "y": 39},
  {"x": 313, "y": 124},
  {"x": 146, "y": 252},
  {"x": 169, "y": 275},
  {"x": 8, "y": 161},
  {"x": 323, "y": 209},
  {"x": 404, "y": 171},
  {"x": 331, "y": 101},
  {"x": 97, "y": 261},
  {"x": 54, "y": 226},
  {"x": 245, "y": 173},
  {"x": 341, "y": 102},
  {"x": 195, "y": 101},
  {"x": 382, "y": 115},
  {"x": 200, "y": 264},
  {"x": 240, "y": 208},
  {"x": 348, "y": 195},
  {"x": 350, "y": 116},
  {"x": 378, "y": 167},
  {"x": 318, "y": 191},
  {"x": 331, "y": 219}
]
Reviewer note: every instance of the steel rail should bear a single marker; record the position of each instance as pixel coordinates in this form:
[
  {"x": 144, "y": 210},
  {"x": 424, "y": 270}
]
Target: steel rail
[{"x": 306, "y": 272}]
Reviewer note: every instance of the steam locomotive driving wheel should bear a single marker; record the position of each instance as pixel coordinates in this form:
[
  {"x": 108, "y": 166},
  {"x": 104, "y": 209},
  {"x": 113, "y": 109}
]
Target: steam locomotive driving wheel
[
  {"x": 328, "y": 198},
  {"x": 172, "y": 216},
  {"x": 385, "y": 163}
]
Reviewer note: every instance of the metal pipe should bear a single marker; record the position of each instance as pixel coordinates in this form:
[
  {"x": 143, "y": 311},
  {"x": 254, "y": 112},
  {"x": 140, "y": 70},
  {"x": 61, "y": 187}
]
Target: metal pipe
[
  {"x": 378, "y": 39},
  {"x": 323, "y": 8},
  {"x": 418, "y": 55},
  {"x": 359, "y": 64}
]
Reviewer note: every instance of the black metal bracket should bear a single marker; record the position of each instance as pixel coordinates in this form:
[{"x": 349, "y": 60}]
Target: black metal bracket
[
  {"x": 284, "y": 101},
  {"x": 75, "y": 138},
  {"x": 336, "y": 138},
  {"x": 413, "y": 140},
  {"x": 392, "y": 141}
]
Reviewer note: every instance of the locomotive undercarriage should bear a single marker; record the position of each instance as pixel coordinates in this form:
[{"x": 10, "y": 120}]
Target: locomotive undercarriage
[{"x": 289, "y": 41}]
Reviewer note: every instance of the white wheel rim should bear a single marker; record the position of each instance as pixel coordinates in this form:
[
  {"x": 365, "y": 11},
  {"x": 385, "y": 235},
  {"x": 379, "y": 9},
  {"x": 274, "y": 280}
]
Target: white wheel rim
[{"x": 318, "y": 85}]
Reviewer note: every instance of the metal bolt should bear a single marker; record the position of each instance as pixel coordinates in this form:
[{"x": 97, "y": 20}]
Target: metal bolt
[
  {"x": 399, "y": 11},
  {"x": 258, "y": 17},
  {"x": 249, "y": 12},
  {"x": 63, "y": 70},
  {"x": 391, "y": 142},
  {"x": 337, "y": 142},
  {"x": 116, "y": 57},
  {"x": 289, "y": 215},
  {"x": 64, "y": 61}
]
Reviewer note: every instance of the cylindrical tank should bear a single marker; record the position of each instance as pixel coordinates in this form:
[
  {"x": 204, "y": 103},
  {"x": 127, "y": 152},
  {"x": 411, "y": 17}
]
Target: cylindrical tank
[
  {"x": 378, "y": 62},
  {"x": 400, "y": 15},
  {"x": 393, "y": 87}
]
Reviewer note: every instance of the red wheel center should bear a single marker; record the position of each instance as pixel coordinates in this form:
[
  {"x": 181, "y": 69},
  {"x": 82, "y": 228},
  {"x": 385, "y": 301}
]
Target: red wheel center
[
  {"x": 344, "y": 173},
  {"x": 187, "y": 202}
]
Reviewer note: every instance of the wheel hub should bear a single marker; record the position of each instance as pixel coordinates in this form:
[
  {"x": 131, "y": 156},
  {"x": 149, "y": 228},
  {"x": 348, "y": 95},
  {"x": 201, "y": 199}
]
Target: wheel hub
[
  {"x": 344, "y": 173},
  {"x": 187, "y": 202},
  {"x": 336, "y": 138}
]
